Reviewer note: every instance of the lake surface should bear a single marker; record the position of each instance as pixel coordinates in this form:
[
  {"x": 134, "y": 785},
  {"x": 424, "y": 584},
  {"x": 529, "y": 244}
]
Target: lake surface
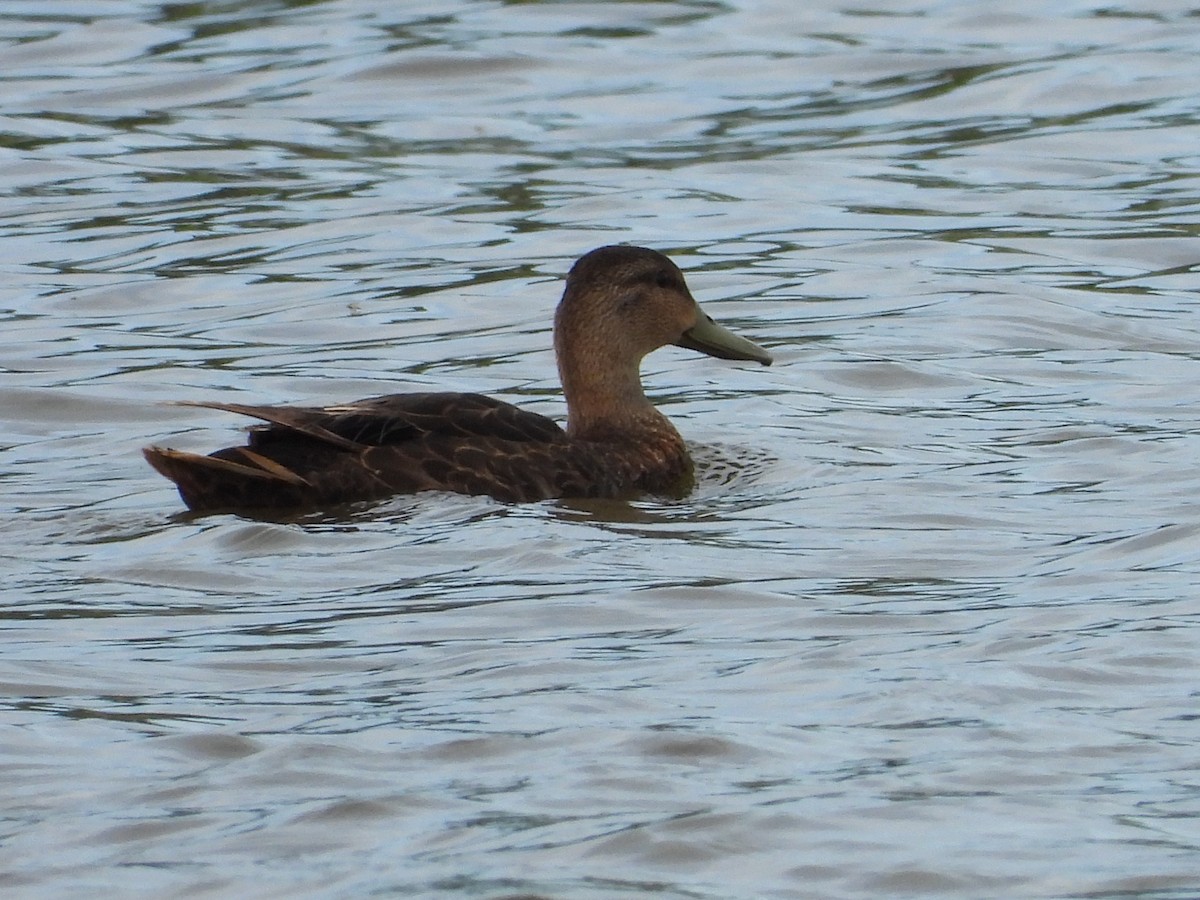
[{"x": 923, "y": 630}]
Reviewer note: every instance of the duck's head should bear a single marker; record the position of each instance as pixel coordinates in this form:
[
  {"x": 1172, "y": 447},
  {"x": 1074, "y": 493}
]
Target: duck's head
[
  {"x": 635, "y": 300},
  {"x": 621, "y": 303}
]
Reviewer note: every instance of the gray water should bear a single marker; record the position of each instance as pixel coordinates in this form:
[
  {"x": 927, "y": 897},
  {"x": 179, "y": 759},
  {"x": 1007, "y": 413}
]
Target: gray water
[{"x": 922, "y": 630}]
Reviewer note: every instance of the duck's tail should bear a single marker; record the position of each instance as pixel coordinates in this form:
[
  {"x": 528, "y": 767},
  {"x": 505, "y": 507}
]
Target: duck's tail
[{"x": 214, "y": 482}]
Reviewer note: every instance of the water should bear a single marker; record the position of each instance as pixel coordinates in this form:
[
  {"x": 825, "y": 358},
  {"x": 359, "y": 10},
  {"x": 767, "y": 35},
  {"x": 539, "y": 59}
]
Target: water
[{"x": 921, "y": 631}]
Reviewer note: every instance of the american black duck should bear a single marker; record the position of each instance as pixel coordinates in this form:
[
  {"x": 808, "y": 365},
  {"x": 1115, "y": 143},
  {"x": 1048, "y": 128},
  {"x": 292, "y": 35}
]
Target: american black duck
[{"x": 620, "y": 303}]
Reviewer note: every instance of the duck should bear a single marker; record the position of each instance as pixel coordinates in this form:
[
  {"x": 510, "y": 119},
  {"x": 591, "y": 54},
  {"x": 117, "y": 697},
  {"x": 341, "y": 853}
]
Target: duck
[{"x": 619, "y": 304}]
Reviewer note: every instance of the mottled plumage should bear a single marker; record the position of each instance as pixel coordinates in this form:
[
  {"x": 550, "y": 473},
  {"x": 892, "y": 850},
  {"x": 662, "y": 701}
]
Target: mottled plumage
[{"x": 619, "y": 304}]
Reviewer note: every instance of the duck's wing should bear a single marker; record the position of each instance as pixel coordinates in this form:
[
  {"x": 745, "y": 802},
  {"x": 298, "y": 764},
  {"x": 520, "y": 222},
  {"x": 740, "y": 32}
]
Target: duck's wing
[
  {"x": 305, "y": 456},
  {"x": 392, "y": 419}
]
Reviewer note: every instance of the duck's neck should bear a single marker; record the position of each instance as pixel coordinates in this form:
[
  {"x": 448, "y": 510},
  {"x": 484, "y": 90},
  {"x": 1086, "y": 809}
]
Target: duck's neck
[{"x": 606, "y": 401}]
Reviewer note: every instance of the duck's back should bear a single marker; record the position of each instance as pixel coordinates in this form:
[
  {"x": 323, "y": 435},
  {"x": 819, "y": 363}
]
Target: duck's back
[{"x": 405, "y": 443}]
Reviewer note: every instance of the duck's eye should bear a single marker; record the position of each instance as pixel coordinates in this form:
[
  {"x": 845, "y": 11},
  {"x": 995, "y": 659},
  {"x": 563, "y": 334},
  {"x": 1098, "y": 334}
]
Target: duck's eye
[{"x": 666, "y": 280}]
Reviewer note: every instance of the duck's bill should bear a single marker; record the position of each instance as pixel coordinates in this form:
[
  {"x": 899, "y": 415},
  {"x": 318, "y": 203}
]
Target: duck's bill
[{"x": 707, "y": 336}]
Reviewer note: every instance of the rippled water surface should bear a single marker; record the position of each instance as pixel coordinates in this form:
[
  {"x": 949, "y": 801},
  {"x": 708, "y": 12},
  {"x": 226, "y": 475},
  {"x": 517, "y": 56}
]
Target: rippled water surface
[{"x": 921, "y": 631}]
